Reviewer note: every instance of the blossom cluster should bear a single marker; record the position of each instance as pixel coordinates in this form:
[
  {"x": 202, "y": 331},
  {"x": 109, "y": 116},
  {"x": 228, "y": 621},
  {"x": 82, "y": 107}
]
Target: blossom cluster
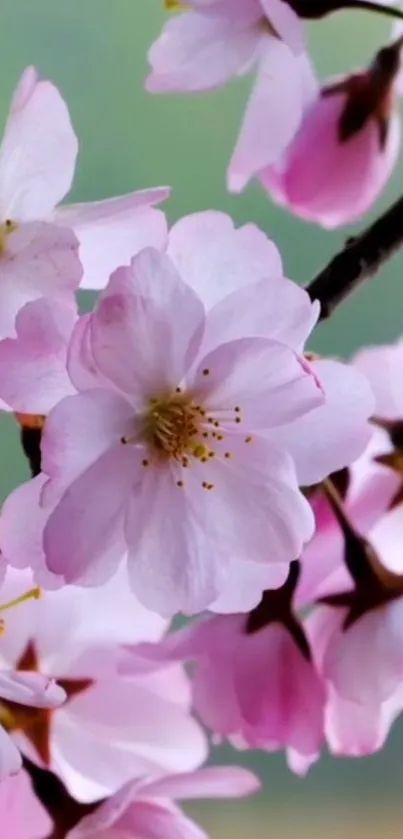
[{"x": 191, "y": 456}]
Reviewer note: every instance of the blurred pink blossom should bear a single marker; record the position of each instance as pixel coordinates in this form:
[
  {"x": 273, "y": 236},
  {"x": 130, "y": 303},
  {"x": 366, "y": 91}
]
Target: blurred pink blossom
[
  {"x": 148, "y": 808},
  {"x": 345, "y": 149},
  {"x": 37, "y": 162},
  {"x": 211, "y": 42},
  {"x": 111, "y": 728}
]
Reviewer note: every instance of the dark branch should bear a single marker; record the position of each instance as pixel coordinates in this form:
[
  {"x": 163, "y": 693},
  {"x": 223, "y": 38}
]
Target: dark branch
[
  {"x": 64, "y": 811},
  {"x": 31, "y": 444},
  {"x": 361, "y": 258}
]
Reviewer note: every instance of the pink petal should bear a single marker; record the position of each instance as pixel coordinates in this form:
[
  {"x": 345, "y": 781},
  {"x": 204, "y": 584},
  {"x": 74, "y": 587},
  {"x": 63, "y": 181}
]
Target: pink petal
[
  {"x": 382, "y": 366},
  {"x": 112, "y": 231},
  {"x": 83, "y": 538},
  {"x": 209, "y": 782},
  {"x": 271, "y": 384},
  {"x": 10, "y": 758},
  {"x": 338, "y": 430},
  {"x": 286, "y": 23},
  {"x": 78, "y": 431},
  {"x": 38, "y": 152},
  {"x": 273, "y": 308},
  {"x": 215, "y": 258},
  {"x": 244, "y": 584},
  {"x": 81, "y": 366},
  {"x": 172, "y": 567},
  {"x": 122, "y": 729},
  {"x": 30, "y": 689},
  {"x": 22, "y": 546},
  {"x": 21, "y": 810},
  {"x": 147, "y": 337},
  {"x": 256, "y": 510},
  {"x": 365, "y": 663},
  {"x": 41, "y": 260},
  {"x": 272, "y": 116},
  {"x": 33, "y": 374},
  {"x": 200, "y": 52}
]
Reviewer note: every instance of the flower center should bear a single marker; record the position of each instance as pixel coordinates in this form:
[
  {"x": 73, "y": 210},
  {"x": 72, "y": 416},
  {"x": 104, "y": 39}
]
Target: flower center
[
  {"x": 172, "y": 427},
  {"x": 6, "y": 227}
]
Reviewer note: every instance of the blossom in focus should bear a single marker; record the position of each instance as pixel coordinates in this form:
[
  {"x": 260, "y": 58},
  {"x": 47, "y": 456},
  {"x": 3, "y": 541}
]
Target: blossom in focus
[
  {"x": 345, "y": 149},
  {"x": 37, "y": 162},
  {"x": 21, "y": 814},
  {"x": 188, "y": 423},
  {"x": 208, "y": 44},
  {"x": 148, "y": 808},
  {"x": 112, "y": 728}
]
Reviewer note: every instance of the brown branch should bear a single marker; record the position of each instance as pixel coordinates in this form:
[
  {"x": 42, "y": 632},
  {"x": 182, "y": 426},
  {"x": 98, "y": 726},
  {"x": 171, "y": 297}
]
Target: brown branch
[
  {"x": 359, "y": 260},
  {"x": 64, "y": 810}
]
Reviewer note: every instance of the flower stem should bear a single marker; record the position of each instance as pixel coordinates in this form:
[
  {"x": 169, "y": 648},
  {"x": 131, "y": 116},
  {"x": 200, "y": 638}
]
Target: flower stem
[{"x": 360, "y": 259}]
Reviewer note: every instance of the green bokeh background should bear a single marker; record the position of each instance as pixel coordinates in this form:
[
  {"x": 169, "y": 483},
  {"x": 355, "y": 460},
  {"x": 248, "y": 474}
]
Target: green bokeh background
[{"x": 95, "y": 51}]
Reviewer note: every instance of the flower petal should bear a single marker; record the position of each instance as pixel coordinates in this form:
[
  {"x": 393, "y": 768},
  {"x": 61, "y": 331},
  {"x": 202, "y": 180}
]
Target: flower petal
[
  {"x": 273, "y": 307},
  {"x": 208, "y": 782},
  {"x": 33, "y": 374},
  {"x": 269, "y": 382},
  {"x": 148, "y": 327},
  {"x": 38, "y": 152},
  {"x": 41, "y": 260},
  {"x": 215, "y": 258},
  {"x": 272, "y": 116},
  {"x": 10, "y": 758},
  {"x": 112, "y": 231},
  {"x": 336, "y": 431},
  {"x": 200, "y": 52},
  {"x": 83, "y": 538}
]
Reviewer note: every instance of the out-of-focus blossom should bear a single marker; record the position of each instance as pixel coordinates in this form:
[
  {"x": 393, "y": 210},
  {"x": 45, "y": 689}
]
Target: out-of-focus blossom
[
  {"x": 253, "y": 682},
  {"x": 21, "y": 814},
  {"x": 209, "y": 43},
  {"x": 111, "y": 728},
  {"x": 37, "y": 162},
  {"x": 346, "y": 147},
  {"x": 148, "y": 808},
  {"x": 29, "y": 693}
]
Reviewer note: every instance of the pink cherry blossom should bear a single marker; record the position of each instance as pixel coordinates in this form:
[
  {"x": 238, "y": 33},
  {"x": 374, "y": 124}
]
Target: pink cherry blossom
[
  {"x": 147, "y": 808},
  {"x": 112, "y": 728},
  {"x": 37, "y": 162},
  {"x": 142, "y": 471},
  {"x": 21, "y": 814},
  {"x": 258, "y": 689},
  {"x": 29, "y": 691},
  {"x": 352, "y": 729},
  {"x": 253, "y": 319},
  {"x": 344, "y": 151},
  {"x": 209, "y": 43}
]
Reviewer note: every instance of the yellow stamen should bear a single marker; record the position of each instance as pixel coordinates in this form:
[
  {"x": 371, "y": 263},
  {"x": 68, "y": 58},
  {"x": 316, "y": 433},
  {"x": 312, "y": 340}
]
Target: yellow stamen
[
  {"x": 6, "y": 228},
  {"x": 32, "y": 594}
]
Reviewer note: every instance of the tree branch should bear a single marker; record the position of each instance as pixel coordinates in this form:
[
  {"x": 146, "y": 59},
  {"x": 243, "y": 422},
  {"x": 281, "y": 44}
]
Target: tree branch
[{"x": 359, "y": 260}]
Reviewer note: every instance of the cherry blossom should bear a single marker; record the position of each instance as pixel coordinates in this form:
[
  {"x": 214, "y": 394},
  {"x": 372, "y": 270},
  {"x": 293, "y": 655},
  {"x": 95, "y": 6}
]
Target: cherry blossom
[
  {"x": 345, "y": 149},
  {"x": 37, "y": 162},
  {"x": 148, "y": 808},
  {"x": 111, "y": 728},
  {"x": 207, "y": 44}
]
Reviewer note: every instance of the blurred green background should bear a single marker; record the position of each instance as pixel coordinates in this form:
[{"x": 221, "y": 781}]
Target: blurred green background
[{"x": 95, "y": 51}]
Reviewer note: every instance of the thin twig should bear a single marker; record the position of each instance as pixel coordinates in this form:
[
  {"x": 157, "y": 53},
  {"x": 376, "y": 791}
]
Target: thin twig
[{"x": 359, "y": 260}]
